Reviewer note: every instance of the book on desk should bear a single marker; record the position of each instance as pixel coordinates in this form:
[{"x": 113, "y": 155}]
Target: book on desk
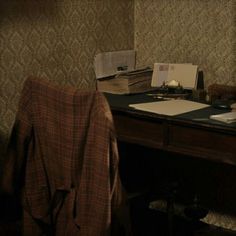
[
  {"x": 131, "y": 82},
  {"x": 116, "y": 73}
]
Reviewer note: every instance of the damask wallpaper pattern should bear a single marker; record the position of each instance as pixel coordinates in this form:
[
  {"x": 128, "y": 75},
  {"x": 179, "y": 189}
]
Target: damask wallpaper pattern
[
  {"x": 202, "y": 32},
  {"x": 56, "y": 39}
]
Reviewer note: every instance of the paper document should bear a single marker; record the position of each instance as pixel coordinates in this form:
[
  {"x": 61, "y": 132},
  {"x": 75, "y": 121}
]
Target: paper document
[
  {"x": 170, "y": 108},
  {"x": 228, "y": 117},
  {"x": 110, "y": 63},
  {"x": 185, "y": 74},
  {"x": 160, "y": 74}
]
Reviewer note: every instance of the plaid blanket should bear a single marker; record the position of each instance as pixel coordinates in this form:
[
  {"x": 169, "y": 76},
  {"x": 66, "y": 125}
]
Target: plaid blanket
[{"x": 63, "y": 159}]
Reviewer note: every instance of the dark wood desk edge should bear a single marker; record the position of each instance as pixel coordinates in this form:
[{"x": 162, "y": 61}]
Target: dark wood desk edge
[
  {"x": 173, "y": 119},
  {"x": 165, "y": 145}
]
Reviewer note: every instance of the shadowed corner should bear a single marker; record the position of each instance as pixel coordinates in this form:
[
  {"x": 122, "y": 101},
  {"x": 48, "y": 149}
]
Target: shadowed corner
[
  {"x": 10, "y": 210},
  {"x": 3, "y": 144},
  {"x": 27, "y": 8}
]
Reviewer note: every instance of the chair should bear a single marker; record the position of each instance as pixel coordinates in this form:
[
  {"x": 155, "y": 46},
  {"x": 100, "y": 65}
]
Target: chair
[{"x": 63, "y": 161}]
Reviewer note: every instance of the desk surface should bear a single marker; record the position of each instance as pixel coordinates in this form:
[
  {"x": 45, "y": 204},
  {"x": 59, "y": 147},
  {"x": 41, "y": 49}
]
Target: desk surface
[{"x": 192, "y": 133}]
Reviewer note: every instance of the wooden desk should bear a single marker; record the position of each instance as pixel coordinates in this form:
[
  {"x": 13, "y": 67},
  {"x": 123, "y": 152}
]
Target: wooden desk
[
  {"x": 211, "y": 143},
  {"x": 185, "y": 134}
]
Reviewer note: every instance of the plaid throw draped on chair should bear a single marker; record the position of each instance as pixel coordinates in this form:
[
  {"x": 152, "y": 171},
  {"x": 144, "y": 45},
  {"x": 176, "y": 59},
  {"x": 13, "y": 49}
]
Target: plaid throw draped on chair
[{"x": 63, "y": 158}]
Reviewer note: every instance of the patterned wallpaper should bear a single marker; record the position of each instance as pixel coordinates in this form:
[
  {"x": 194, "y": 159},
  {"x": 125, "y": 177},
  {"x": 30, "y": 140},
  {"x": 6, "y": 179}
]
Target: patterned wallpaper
[
  {"x": 202, "y": 32},
  {"x": 56, "y": 39}
]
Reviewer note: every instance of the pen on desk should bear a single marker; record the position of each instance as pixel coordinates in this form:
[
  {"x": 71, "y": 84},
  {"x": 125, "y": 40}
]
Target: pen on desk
[
  {"x": 200, "y": 119},
  {"x": 159, "y": 96},
  {"x": 154, "y": 94},
  {"x": 165, "y": 98}
]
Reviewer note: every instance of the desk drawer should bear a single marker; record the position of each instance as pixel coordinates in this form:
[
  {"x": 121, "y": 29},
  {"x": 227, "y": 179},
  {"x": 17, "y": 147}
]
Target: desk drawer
[
  {"x": 203, "y": 143},
  {"x": 139, "y": 131}
]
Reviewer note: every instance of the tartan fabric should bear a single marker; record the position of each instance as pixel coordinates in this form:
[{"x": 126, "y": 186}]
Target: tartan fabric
[{"x": 63, "y": 159}]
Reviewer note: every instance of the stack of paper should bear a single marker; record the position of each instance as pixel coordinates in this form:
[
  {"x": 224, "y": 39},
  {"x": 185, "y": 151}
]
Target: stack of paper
[
  {"x": 229, "y": 117},
  {"x": 136, "y": 81},
  {"x": 185, "y": 74}
]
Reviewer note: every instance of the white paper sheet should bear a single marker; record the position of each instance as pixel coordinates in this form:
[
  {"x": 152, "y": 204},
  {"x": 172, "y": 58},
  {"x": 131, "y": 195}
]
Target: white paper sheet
[
  {"x": 108, "y": 63},
  {"x": 170, "y": 108},
  {"x": 160, "y": 74}
]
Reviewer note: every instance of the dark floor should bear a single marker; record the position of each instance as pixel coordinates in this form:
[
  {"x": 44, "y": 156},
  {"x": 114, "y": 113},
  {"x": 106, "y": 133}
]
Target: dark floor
[
  {"x": 160, "y": 175},
  {"x": 147, "y": 222},
  {"x": 9, "y": 216},
  {"x": 9, "y": 229},
  {"x": 142, "y": 168}
]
